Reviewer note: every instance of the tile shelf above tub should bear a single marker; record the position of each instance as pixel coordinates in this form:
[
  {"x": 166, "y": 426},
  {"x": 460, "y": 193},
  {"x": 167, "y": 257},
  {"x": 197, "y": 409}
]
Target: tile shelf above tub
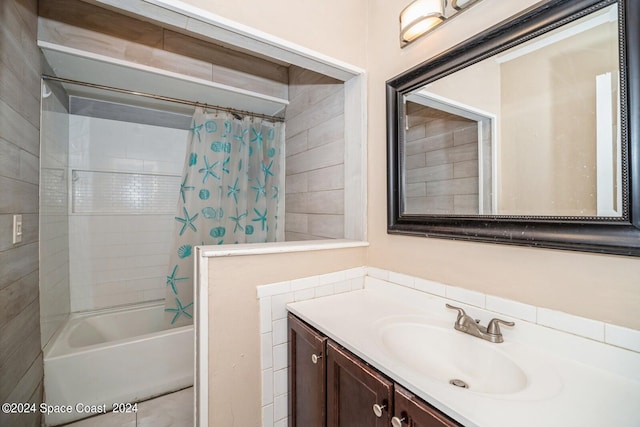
[{"x": 89, "y": 67}]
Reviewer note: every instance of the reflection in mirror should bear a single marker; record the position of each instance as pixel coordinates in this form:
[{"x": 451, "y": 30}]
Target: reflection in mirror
[
  {"x": 534, "y": 130},
  {"x": 448, "y": 159}
]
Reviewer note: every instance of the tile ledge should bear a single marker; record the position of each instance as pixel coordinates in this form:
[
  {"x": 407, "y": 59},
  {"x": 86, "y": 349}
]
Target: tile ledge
[{"x": 279, "y": 247}]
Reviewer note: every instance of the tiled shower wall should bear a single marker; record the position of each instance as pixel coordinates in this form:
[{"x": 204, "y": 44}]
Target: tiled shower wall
[
  {"x": 20, "y": 67},
  {"x": 441, "y": 162},
  {"x": 54, "y": 221},
  {"x": 314, "y": 207},
  {"x": 125, "y": 183}
]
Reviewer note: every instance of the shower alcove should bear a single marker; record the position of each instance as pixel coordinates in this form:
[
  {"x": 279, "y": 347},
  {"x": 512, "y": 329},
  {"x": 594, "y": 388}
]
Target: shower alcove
[{"x": 101, "y": 250}]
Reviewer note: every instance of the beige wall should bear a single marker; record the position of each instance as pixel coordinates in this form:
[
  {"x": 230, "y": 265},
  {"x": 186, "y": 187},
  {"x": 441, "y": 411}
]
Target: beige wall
[
  {"x": 336, "y": 28},
  {"x": 234, "y": 331},
  {"x": 463, "y": 87}
]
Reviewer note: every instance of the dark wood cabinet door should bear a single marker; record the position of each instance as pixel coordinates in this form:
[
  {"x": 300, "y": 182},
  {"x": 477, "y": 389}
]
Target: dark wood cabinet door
[
  {"x": 352, "y": 390},
  {"x": 415, "y": 413},
  {"x": 307, "y": 375}
]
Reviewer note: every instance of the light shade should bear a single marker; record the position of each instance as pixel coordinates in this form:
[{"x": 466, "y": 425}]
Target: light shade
[
  {"x": 420, "y": 17},
  {"x": 461, "y": 4}
]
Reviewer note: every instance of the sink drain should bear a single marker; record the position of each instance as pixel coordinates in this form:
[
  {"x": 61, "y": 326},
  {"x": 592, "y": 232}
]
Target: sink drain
[{"x": 458, "y": 383}]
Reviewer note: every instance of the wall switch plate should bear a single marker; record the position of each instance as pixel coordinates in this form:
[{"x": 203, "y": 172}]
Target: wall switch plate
[{"x": 17, "y": 229}]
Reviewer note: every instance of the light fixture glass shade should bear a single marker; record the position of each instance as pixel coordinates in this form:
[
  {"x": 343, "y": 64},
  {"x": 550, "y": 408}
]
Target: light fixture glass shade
[
  {"x": 461, "y": 4},
  {"x": 419, "y": 17}
]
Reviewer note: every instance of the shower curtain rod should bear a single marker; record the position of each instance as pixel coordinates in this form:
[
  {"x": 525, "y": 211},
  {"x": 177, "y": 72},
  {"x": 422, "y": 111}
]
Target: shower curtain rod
[{"x": 163, "y": 98}]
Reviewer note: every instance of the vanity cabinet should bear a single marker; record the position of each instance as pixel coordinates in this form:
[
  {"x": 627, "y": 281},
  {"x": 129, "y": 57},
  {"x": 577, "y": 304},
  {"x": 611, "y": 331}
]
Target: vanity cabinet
[
  {"x": 331, "y": 387},
  {"x": 357, "y": 395},
  {"x": 307, "y": 375},
  {"x": 411, "y": 411}
]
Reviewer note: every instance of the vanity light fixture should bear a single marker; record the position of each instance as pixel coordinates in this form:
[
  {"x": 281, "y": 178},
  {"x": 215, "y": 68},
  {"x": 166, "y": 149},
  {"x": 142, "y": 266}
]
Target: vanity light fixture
[
  {"x": 461, "y": 4},
  {"x": 420, "y": 17}
]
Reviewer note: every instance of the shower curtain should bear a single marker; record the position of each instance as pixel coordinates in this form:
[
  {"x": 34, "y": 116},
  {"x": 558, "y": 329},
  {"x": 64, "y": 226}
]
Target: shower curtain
[{"x": 231, "y": 191}]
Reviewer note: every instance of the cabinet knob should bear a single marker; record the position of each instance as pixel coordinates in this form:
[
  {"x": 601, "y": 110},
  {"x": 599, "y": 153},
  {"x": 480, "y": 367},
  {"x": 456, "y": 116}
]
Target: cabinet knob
[
  {"x": 377, "y": 409},
  {"x": 397, "y": 422},
  {"x": 315, "y": 358}
]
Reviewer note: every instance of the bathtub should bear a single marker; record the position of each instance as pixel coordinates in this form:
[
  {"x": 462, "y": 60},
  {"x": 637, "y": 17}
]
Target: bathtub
[{"x": 114, "y": 356}]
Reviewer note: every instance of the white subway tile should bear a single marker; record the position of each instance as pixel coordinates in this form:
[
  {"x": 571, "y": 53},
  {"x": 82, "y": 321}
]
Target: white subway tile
[
  {"x": 305, "y": 283},
  {"x": 280, "y": 382},
  {"x": 267, "y": 416},
  {"x": 357, "y": 284},
  {"x": 280, "y": 357},
  {"x": 273, "y": 289},
  {"x": 266, "y": 350},
  {"x": 401, "y": 279},
  {"x": 430, "y": 286},
  {"x": 304, "y": 294},
  {"x": 378, "y": 273},
  {"x": 329, "y": 278},
  {"x": 280, "y": 331},
  {"x": 354, "y": 273},
  {"x": 466, "y": 296},
  {"x": 279, "y": 305},
  {"x": 340, "y": 287},
  {"x": 267, "y": 386},
  {"x": 265, "y": 314},
  {"x": 281, "y": 407},
  {"x": 282, "y": 423},
  {"x": 587, "y": 328},
  {"x": 375, "y": 283},
  {"x": 512, "y": 308},
  {"x": 156, "y": 166},
  {"x": 323, "y": 291},
  {"x": 153, "y": 294},
  {"x": 622, "y": 337}
]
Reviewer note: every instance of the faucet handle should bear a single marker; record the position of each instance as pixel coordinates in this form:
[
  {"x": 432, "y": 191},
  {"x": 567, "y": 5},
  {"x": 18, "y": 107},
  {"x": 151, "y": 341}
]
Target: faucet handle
[
  {"x": 461, "y": 312},
  {"x": 493, "y": 327}
]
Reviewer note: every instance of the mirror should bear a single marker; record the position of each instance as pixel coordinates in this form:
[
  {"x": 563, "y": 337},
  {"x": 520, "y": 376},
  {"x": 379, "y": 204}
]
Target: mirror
[{"x": 524, "y": 134}]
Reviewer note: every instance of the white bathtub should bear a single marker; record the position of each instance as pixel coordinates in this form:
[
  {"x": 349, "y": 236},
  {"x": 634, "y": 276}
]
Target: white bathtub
[{"x": 115, "y": 356}]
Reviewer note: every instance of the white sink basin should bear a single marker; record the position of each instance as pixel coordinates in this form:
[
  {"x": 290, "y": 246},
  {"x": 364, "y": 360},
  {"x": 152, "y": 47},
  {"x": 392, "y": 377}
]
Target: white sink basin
[{"x": 446, "y": 354}]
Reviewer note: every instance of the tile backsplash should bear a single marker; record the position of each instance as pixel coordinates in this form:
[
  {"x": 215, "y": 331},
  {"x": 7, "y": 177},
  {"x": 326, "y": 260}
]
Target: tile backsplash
[
  {"x": 587, "y": 328},
  {"x": 274, "y": 338},
  {"x": 274, "y": 297}
]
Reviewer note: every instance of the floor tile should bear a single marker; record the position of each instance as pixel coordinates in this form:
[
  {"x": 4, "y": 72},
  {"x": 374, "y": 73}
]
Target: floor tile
[
  {"x": 107, "y": 420},
  {"x": 172, "y": 410}
]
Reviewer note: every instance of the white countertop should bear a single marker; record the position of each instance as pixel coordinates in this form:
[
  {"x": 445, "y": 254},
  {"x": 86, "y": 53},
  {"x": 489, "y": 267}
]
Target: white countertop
[{"x": 574, "y": 381}]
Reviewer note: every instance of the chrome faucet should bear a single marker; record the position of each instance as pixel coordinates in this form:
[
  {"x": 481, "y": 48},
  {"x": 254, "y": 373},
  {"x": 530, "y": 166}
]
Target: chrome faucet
[{"x": 465, "y": 323}]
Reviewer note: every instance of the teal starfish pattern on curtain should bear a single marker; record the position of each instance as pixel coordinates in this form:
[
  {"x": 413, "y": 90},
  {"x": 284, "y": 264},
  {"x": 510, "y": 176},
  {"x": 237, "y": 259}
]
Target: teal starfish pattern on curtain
[
  {"x": 229, "y": 193},
  {"x": 171, "y": 280},
  {"x": 180, "y": 310}
]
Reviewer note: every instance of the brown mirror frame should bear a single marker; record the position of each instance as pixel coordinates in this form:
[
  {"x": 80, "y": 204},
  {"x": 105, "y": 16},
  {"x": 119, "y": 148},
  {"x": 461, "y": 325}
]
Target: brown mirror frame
[{"x": 619, "y": 236}]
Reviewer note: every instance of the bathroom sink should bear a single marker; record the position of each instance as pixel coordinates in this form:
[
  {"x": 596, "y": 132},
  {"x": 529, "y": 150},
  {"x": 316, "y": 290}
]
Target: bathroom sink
[{"x": 451, "y": 357}]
